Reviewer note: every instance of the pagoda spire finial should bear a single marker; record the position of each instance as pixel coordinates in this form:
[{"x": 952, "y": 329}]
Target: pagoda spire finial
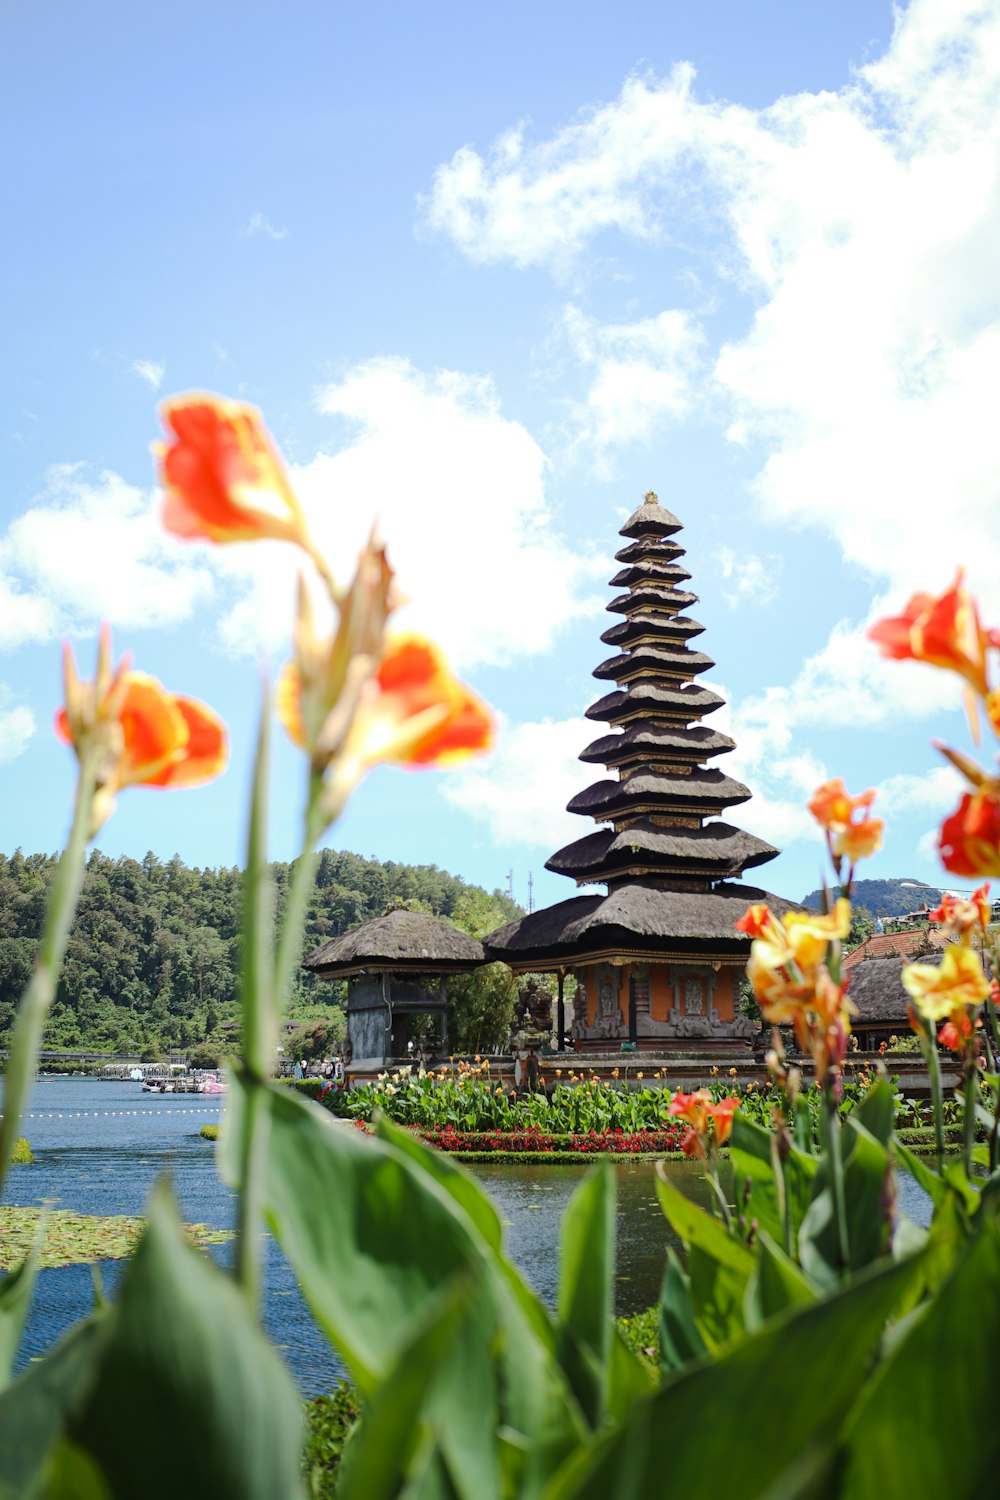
[{"x": 651, "y": 498}]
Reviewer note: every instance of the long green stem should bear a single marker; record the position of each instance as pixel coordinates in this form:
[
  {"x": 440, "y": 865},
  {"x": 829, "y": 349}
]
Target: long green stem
[
  {"x": 297, "y": 906},
  {"x": 934, "y": 1069},
  {"x": 784, "y": 1207},
  {"x": 969, "y": 1116},
  {"x": 836, "y": 1162},
  {"x": 36, "y": 1001},
  {"x": 260, "y": 1028}
]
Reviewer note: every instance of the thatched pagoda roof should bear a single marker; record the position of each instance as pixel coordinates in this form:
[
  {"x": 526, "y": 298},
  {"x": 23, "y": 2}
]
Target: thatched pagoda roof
[
  {"x": 650, "y": 741},
  {"x": 709, "y": 788},
  {"x": 651, "y": 570},
  {"x": 649, "y": 625},
  {"x": 670, "y": 866},
  {"x": 713, "y": 851},
  {"x": 635, "y": 919},
  {"x": 645, "y": 697},
  {"x": 650, "y": 549},
  {"x": 649, "y": 595},
  {"x": 651, "y": 519},
  {"x": 669, "y": 660},
  {"x": 398, "y": 942}
]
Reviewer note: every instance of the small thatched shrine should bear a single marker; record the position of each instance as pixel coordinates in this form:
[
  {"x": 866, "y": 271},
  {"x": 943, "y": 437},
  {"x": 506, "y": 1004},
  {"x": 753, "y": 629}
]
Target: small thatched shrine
[
  {"x": 657, "y": 959},
  {"x": 396, "y": 967}
]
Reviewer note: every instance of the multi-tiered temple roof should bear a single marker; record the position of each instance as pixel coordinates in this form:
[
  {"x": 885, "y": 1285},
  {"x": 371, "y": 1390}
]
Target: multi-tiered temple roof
[{"x": 670, "y": 861}]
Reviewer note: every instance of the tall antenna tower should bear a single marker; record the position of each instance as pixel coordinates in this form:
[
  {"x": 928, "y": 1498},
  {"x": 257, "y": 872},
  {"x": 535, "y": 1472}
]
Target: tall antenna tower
[
  {"x": 510, "y": 884},
  {"x": 531, "y": 887}
]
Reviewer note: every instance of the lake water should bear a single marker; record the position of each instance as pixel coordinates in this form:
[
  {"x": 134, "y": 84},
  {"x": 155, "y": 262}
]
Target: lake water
[{"x": 100, "y": 1147}]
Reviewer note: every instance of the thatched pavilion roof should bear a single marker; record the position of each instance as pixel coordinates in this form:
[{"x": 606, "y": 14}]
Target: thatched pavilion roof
[
  {"x": 876, "y": 988},
  {"x": 398, "y": 942}
]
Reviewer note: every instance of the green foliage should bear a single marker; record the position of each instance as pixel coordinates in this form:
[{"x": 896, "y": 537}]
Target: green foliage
[
  {"x": 22, "y": 1154},
  {"x": 329, "y": 1422},
  {"x": 483, "y": 1001},
  {"x": 66, "y": 1238},
  {"x": 153, "y": 953},
  {"x": 886, "y": 898},
  {"x": 209, "y": 1132},
  {"x": 311, "y": 1043}
]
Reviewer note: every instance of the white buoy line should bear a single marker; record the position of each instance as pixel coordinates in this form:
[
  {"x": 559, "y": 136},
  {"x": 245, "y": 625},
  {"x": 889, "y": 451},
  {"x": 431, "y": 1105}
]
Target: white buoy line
[{"x": 79, "y": 1114}]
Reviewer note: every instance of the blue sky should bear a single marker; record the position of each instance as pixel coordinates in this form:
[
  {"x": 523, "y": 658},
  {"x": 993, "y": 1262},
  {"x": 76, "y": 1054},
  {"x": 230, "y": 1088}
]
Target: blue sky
[{"x": 492, "y": 273}]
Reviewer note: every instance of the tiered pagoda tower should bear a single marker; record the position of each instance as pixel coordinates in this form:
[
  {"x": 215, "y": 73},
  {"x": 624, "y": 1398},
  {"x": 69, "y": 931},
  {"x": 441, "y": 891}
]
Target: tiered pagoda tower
[{"x": 658, "y": 957}]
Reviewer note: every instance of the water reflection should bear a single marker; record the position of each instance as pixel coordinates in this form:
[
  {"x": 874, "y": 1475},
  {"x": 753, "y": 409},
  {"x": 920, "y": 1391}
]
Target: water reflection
[{"x": 100, "y": 1147}]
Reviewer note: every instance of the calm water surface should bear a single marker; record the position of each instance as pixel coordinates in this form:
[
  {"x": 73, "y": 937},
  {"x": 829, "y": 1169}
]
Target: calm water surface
[{"x": 100, "y": 1147}]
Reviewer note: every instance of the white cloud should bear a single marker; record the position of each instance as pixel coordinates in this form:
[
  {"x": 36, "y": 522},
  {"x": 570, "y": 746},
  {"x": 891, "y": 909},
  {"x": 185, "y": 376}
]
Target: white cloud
[
  {"x": 520, "y": 791},
  {"x": 750, "y": 579},
  {"x": 259, "y": 224},
  {"x": 932, "y": 794},
  {"x": 17, "y": 725},
  {"x": 90, "y": 549},
  {"x": 862, "y": 227},
  {"x": 149, "y": 371},
  {"x": 459, "y": 493},
  {"x": 643, "y": 375}
]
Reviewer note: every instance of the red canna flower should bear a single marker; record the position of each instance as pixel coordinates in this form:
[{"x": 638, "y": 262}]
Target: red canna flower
[
  {"x": 960, "y": 915},
  {"x": 722, "y": 1118},
  {"x": 969, "y": 841},
  {"x": 223, "y": 478},
  {"x": 944, "y": 632}
]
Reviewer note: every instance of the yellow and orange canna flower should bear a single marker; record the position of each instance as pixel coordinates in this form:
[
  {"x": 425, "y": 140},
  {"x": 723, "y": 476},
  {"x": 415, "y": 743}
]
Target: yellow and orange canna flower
[
  {"x": 137, "y": 732},
  {"x": 944, "y": 632},
  {"x": 939, "y": 992},
  {"x": 222, "y": 475},
  {"x": 785, "y": 959},
  {"x": 411, "y": 711},
  {"x": 849, "y": 835},
  {"x": 961, "y": 915},
  {"x": 969, "y": 841}
]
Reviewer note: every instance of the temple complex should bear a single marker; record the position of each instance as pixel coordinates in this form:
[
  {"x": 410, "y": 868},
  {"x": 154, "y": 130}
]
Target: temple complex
[{"x": 657, "y": 960}]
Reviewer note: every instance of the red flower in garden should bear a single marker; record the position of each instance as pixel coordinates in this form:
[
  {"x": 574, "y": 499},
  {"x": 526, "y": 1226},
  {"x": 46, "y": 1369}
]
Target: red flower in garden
[
  {"x": 969, "y": 841},
  {"x": 960, "y": 915},
  {"x": 944, "y": 632}
]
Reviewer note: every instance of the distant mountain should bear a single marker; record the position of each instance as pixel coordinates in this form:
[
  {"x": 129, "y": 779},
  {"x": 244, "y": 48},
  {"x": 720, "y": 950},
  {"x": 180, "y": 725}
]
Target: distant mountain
[{"x": 886, "y": 898}]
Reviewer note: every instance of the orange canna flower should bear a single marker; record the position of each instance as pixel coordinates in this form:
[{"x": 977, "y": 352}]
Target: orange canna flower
[
  {"x": 138, "y": 733},
  {"x": 834, "y": 809},
  {"x": 944, "y": 632},
  {"x": 938, "y": 991},
  {"x": 832, "y": 805},
  {"x": 411, "y": 712},
  {"x": 223, "y": 478},
  {"x": 722, "y": 1118},
  {"x": 969, "y": 841}
]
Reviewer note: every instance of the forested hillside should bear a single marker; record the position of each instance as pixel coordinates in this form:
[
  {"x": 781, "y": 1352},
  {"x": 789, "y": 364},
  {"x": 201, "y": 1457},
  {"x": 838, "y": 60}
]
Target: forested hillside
[
  {"x": 886, "y": 898},
  {"x": 154, "y": 952}
]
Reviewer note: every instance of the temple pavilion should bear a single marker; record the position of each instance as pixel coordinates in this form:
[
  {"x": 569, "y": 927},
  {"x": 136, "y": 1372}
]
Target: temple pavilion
[{"x": 656, "y": 960}]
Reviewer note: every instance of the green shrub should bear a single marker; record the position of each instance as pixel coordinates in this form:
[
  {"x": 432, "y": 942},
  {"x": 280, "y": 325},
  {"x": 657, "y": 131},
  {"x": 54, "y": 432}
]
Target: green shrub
[
  {"x": 22, "y": 1153},
  {"x": 209, "y": 1132},
  {"x": 329, "y": 1420}
]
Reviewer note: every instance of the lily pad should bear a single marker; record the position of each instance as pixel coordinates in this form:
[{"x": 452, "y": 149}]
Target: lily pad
[{"x": 73, "y": 1239}]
